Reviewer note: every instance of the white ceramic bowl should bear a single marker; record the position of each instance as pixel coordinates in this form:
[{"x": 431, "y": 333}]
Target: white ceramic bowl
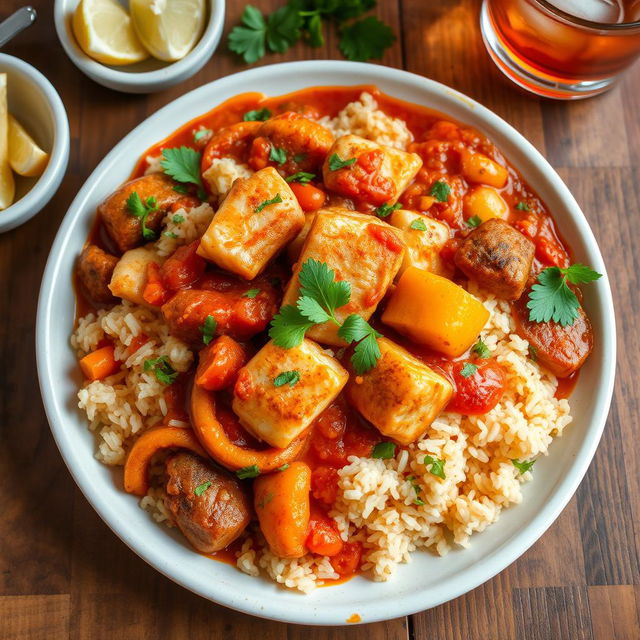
[
  {"x": 428, "y": 580},
  {"x": 146, "y": 76},
  {"x": 34, "y": 101}
]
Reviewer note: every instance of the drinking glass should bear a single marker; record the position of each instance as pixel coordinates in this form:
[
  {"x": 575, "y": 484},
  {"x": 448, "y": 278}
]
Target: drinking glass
[{"x": 563, "y": 49}]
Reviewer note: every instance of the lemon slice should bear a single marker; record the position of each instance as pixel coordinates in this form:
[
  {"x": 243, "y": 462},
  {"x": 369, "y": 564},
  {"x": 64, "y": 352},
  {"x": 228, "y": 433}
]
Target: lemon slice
[
  {"x": 104, "y": 32},
  {"x": 25, "y": 156},
  {"x": 169, "y": 29},
  {"x": 7, "y": 184}
]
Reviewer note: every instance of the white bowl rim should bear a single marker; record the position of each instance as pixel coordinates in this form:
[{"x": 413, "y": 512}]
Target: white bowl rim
[
  {"x": 47, "y": 184},
  {"x": 141, "y": 81},
  {"x": 414, "y": 601}
]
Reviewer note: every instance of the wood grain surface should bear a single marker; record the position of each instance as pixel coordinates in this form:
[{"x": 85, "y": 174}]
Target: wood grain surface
[{"x": 63, "y": 574}]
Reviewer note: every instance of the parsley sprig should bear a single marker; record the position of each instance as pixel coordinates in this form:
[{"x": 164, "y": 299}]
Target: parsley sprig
[
  {"x": 551, "y": 298},
  {"x": 359, "y": 39},
  {"x": 183, "y": 165},
  {"x": 162, "y": 369},
  {"x": 141, "y": 210},
  {"x": 319, "y": 297}
]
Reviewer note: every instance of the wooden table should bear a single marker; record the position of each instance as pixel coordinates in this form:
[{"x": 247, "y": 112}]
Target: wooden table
[{"x": 63, "y": 574}]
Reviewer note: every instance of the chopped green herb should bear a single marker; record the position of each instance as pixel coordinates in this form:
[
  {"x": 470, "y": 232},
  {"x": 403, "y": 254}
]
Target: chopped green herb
[
  {"x": 162, "y": 369},
  {"x": 259, "y": 115},
  {"x": 474, "y": 221},
  {"x": 170, "y": 234},
  {"x": 418, "y": 224},
  {"x": 435, "y": 466},
  {"x": 252, "y": 293},
  {"x": 440, "y": 190},
  {"x": 481, "y": 349},
  {"x": 208, "y": 329},
  {"x": 468, "y": 369},
  {"x": 523, "y": 206},
  {"x": 384, "y": 450},
  {"x": 177, "y": 219},
  {"x": 180, "y": 188},
  {"x": 552, "y": 298},
  {"x": 416, "y": 487},
  {"x": 288, "y": 327},
  {"x": 284, "y": 467},
  {"x": 248, "y": 472},
  {"x": 386, "y": 209},
  {"x": 201, "y": 133},
  {"x": 266, "y": 499},
  {"x": 300, "y": 157},
  {"x": 277, "y": 198},
  {"x": 201, "y": 488},
  {"x": 182, "y": 164},
  {"x": 533, "y": 352},
  {"x": 141, "y": 210},
  {"x": 335, "y": 162},
  {"x": 277, "y": 155},
  {"x": 523, "y": 466},
  {"x": 287, "y": 377},
  {"x": 302, "y": 177}
]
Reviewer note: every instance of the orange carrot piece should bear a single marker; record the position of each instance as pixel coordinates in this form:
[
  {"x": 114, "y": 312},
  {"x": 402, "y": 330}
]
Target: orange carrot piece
[
  {"x": 220, "y": 363},
  {"x": 99, "y": 363},
  {"x": 309, "y": 197}
]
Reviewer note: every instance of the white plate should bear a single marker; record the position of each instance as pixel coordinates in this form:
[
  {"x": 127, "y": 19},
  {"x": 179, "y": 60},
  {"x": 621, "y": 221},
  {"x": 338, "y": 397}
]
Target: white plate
[{"x": 428, "y": 580}]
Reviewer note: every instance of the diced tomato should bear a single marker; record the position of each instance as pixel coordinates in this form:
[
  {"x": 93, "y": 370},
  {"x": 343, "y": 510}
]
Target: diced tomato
[
  {"x": 243, "y": 387},
  {"x": 324, "y": 538},
  {"x": 154, "y": 291},
  {"x": 347, "y": 561},
  {"x": 309, "y": 197},
  {"x": 183, "y": 268},
  {"x": 386, "y": 237},
  {"x": 363, "y": 181},
  {"x": 480, "y": 390},
  {"x": 137, "y": 342},
  {"x": 219, "y": 364},
  {"x": 324, "y": 484}
]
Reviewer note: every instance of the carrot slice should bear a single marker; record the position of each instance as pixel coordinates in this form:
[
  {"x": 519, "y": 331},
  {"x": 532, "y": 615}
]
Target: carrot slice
[
  {"x": 99, "y": 363},
  {"x": 136, "y": 467}
]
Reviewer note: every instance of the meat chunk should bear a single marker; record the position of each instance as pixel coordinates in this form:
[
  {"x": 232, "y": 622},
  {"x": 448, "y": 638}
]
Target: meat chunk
[
  {"x": 498, "y": 258},
  {"x": 123, "y": 227},
  {"x": 401, "y": 396},
  {"x": 562, "y": 350},
  {"x": 362, "y": 250},
  {"x": 305, "y": 144},
  {"x": 208, "y": 504},
  {"x": 258, "y": 217},
  {"x": 279, "y": 413},
  {"x": 130, "y": 274},
  {"x": 236, "y": 315},
  {"x": 375, "y": 174},
  {"x": 95, "y": 268}
]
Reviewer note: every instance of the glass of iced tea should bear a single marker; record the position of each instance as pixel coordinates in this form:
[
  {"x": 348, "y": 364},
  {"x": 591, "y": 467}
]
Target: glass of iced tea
[{"x": 562, "y": 49}]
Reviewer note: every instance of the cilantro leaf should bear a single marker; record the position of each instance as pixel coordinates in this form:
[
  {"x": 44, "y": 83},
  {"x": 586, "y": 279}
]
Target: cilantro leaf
[
  {"x": 384, "y": 450},
  {"x": 310, "y": 308},
  {"x": 354, "y": 328},
  {"x": 288, "y": 327},
  {"x": 208, "y": 329},
  {"x": 252, "y": 293},
  {"x": 275, "y": 200},
  {"x": 252, "y": 471},
  {"x": 386, "y": 209},
  {"x": 336, "y": 162},
  {"x": 523, "y": 206},
  {"x": 141, "y": 210},
  {"x": 162, "y": 369},
  {"x": 286, "y": 377},
  {"x": 177, "y": 219},
  {"x": 366, "y": 354},
  {"x": 259, "y": 115},
  {"x": 248, "y": 41},
  {"x": 533, "y": 353},
  {"x": 365, "y": 39},
  {"x": 317, "y": 281},
  {"x": 551, "y": 298},
  {"x": 468, "y": 369},
  {"x": 201, "y": 488},
  {"x": 481, "y": 349},
  {"x": 182, "y": 164},
  {"x": 474, "y": 221},
  {"x": 302, "y": 177},
  {"x": 277, "y": 155},
  {"x": 435, "y": 466},
  {"x": 283, "y": 28},
  {"x": 345, "y": 9},
  {"x": 440, "y": 190},
  {"x": 170, "y": 234},
  {"x": 180, "y": 188},
  {"x": 201, "y": 133},
  {"x": 523, "y": 466},
  {"x": 418, "y": 224},
  {"x": 284, "y": 467}
]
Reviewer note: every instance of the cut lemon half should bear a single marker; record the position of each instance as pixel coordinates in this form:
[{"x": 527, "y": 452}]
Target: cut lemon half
[
  {"x": 104, "y": 32},
  {"x": 169, "y": 29},
  {"x": 25, "y": 156},
  {"x": 7, "y": 184}
]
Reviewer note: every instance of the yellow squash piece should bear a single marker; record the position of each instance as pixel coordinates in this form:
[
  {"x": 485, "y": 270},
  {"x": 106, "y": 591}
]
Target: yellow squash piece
[
  {"x": 104, "y": 32},
  {"x": 169, "y": 29},
  {"x": 25, "y": 156},
  {"x": 435, "y": 312},
  {"x": 7, "y": 184}
]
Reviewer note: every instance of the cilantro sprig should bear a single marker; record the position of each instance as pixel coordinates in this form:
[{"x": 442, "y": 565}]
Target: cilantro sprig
[
  {"x": 257, "y": 115},
  {"x": 141, "y": 210},
  {"x": 319, "y": 297},
  {"x": 440, "y": 190},
  {"x": 303, "y": 177},
  {"x": 387, "y": 209},
  {"x": 183, "y": 165},
  {"x": 336, "y": 162},
  {"x": 551, "y": 298},
  {"x": 162, "y": 369},
  {"x": 359, "y": 39}
]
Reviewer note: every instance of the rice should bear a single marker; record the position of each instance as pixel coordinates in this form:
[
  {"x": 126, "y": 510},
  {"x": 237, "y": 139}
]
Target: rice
[
  {"x": 364, "y": 119},
  {"x": 182, "y": 227},
  {"x": 222, "y": 173}
]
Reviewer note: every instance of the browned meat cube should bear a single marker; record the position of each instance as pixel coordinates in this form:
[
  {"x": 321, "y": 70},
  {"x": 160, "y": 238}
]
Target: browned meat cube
[
  {"x": 95, "y": 268},
  {"x": 562, "y": 350},
  {"x": 208, "y": 504},
  {"x": 123, "y": 227},
  {"x": 498, "y": 258}
]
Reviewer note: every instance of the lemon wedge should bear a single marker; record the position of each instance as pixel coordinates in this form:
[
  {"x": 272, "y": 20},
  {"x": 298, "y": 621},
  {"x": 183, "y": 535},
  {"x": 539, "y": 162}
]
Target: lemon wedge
[
  {"x": 7, "y": 184},
  {"x": 169, "y": 29},
  {"x": 25, "y": 156},
  {"x": 104, "y": 31}
]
